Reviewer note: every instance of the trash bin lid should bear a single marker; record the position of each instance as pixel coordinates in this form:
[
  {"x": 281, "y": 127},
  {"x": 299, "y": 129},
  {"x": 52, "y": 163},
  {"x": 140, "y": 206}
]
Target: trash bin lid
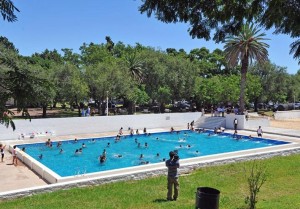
[{"x": 208, "y": 190}]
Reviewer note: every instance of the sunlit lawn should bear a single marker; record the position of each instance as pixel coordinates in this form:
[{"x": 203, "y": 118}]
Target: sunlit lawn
[{"x": 280, "y": 191}]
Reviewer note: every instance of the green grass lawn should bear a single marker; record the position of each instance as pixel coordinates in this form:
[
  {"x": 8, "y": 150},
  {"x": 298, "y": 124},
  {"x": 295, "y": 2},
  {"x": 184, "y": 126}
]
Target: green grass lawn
[{"x": 280, "y": 191}]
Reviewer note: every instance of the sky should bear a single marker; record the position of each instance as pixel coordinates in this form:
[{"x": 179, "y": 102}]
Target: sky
[{"x": 59, "y": 24}]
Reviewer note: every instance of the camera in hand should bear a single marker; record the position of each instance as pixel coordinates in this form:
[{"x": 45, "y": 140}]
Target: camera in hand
[{"x": 176, "y": 157}]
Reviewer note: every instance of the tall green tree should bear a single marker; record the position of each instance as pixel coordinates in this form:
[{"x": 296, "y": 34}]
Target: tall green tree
[{"x": 244, "y": 48}]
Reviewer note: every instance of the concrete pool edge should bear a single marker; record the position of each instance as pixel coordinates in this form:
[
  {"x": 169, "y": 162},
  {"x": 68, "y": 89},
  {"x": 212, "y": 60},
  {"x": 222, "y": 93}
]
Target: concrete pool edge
[{"x": 141, "y": 172}]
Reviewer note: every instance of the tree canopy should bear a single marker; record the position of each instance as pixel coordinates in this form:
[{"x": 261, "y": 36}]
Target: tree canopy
[
  {"x": 7, "y": 10},
  {"x": 227, "y": 17}
]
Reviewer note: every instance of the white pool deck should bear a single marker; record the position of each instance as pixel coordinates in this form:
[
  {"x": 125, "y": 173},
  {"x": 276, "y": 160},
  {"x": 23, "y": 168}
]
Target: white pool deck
[{"x": 20, "y": 177}]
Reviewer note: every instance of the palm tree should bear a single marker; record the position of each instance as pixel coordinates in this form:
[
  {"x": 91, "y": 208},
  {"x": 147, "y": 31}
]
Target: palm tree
[
  {"x": 295, "y": 48},
  {"x": 135, "y": 66},
  {"x": 244, "y": 48},
  {"x": 7, "y": 10}
]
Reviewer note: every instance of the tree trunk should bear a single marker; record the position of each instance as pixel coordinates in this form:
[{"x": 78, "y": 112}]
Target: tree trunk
[
  {"x": 255, "y": 104},
  {"x": 44, "y": 111},
  {"x": 244, "y": 68},
  {"x": 130, "y": 107},
  {"x": 76, "y": 102}
]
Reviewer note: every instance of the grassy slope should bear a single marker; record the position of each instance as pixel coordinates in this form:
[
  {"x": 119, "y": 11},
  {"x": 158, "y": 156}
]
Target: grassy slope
[{"x": 281, "y": 191}]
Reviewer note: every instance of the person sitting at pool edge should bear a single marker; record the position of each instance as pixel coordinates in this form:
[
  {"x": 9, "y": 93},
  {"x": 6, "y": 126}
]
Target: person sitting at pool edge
[{"x": 121, "y": 131}]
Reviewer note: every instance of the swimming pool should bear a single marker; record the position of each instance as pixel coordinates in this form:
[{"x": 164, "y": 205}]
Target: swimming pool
[{"x": 127, "y": 151}]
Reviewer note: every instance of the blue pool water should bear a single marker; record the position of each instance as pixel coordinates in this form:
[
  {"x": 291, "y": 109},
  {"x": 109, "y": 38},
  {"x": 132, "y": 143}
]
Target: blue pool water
[{"x": 69, "y": 164}]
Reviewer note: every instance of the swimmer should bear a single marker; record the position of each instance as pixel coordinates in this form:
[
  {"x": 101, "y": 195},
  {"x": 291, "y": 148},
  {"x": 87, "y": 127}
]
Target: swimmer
[
  {"x": 135, "y": 140},
  {"x": 102, "y": 159},
  {"x": 172, "y": 130},
  {"x": 41, "y": 156},
  {"x": 61, "y": 151},
  {"x": 83, "y": 145},
  {"x": 188, "y": 146},
  {"x": 157, "y": 138},
  {"x": 59, "y": 144},
  {"x": 118, "y": 155},
  {"x": 108, "y": 144},
  {"x": 24, "y": 149},
  {"x": 48, "y": 143},
  {"x": 146, "y": 144},
  {"x": 144, "y": 162},
  {"x": 197, "y": 152},
  {"x": 93, "y": 141},
  {"x": 141, "y": 156},
  {"x": 139, "y": 144},
  {"x": 157, "y": 154},
  {"x": 163, "y": 160},
  {"x": 104, "y": 152},
  {"x": 75, "y": 141},
  {"x": 250, "y": 137}
]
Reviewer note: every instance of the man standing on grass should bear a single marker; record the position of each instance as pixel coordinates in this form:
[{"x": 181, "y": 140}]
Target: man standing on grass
[{"x": 173, "y": 165}]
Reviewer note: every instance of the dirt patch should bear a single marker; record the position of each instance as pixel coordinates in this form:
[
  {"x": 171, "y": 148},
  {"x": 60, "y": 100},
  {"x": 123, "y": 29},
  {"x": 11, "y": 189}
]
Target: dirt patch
[{"x": 288, "y": 124}]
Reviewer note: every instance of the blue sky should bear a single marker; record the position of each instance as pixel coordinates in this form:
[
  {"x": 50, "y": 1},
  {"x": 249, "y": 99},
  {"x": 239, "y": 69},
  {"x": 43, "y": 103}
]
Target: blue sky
[{"x": 61, "y": 24}]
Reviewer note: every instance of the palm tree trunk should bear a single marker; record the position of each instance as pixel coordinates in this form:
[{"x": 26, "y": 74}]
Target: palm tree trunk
[{"x": 244, "y": 69}]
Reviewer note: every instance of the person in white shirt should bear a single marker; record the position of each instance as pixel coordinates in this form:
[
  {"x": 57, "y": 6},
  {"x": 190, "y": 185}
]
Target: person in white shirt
[{"x": 259, "y": 132}]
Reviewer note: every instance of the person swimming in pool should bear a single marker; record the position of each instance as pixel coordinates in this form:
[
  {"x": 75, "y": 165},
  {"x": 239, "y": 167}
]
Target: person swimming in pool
[
  {"x": 102, "y": 158},
  {"x": 83, "y": 145},
  {"x": 141, "y": 156},
  {"x": 144, "y": 162},
  {"x": 77, "y": 152},
  {"x": 59, "y": 144},
  {"x": 41, "y": 156},
  {"x": 118, "y": 155}
]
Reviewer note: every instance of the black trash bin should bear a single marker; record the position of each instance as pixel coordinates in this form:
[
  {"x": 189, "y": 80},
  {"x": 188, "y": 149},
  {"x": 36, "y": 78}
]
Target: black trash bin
[{"x": 207, "y": 198}]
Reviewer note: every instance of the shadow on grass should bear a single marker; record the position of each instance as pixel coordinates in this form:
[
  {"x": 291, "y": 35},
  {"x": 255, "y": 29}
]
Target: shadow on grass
[{"x": 160, "y": 200}]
